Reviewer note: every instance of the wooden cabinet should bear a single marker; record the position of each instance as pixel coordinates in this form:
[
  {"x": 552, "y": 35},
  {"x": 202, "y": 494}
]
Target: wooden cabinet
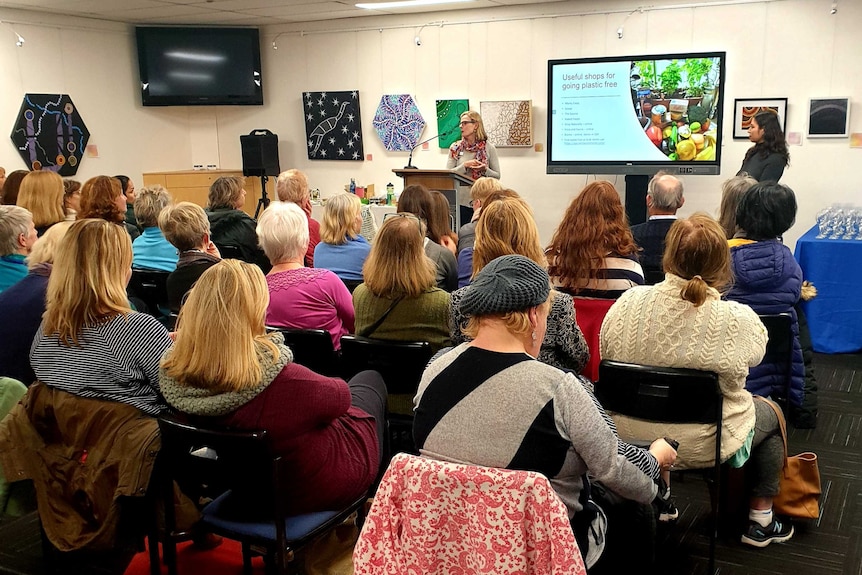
[{"x": 194, "y": 186}]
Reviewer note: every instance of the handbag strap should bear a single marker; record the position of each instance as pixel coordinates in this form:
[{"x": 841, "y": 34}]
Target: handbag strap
[
  {"x": 373, "y": 327},
  {"x": 782, "y": 423}
]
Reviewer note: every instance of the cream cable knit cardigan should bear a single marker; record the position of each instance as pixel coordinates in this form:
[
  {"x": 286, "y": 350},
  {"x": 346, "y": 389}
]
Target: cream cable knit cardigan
[{"x": 653, "y": 325}]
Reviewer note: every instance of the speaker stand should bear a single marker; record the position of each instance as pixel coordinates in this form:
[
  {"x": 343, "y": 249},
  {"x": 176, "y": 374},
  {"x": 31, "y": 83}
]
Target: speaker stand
[{"x": 263, "y": 200}]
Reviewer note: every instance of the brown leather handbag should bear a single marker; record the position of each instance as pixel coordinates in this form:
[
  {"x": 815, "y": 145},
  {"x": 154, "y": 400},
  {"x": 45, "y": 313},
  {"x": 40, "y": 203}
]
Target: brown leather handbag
[{"x": 800, "y": 480}]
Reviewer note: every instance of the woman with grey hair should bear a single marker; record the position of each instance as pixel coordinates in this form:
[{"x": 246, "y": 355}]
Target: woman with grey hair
[
  {"x": 151, "y": 250},
  {"x": 233, "y": 231},
  {"x": 300, "y": 297},
  {"x": 17, "y": 236}
]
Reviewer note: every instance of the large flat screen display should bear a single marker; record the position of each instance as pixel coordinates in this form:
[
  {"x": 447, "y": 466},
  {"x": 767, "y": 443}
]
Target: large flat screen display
[
  {"x": 183, "y": 66},
  {"x": 636, "y": 114}
]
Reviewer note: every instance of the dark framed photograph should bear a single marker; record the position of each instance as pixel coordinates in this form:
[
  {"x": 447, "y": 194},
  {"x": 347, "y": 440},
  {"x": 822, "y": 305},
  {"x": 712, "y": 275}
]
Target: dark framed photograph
[
  {"x": 828, "y": 117},
  {"x": 745, "y": 109}
]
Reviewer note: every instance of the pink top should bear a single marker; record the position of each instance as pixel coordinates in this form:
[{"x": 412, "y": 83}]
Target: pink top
[{"x": 310, "y": 298}]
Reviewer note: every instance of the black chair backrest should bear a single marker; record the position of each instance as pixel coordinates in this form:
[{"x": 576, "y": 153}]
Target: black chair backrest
[
  {"x": 351, "y": 284},
  {"x": 218, "y": 458},
  {"x": 673, "y": 395},
  {"x": 780, "y": 330},
  {"x": 150, "y": 286},
  {"x": 311, "y": 348},
  {"x": 401, "y": 363},
  {"x": 229, "y": 252}
]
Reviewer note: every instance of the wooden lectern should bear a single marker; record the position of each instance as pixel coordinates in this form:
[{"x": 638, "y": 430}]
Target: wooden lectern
[{"x": 445, "y": 181}]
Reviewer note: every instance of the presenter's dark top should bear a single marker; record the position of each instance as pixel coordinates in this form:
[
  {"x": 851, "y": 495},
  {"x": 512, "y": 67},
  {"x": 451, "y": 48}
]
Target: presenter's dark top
[
  {"x": 650, "y": 237},
  {"x": 762, "y": 168}
]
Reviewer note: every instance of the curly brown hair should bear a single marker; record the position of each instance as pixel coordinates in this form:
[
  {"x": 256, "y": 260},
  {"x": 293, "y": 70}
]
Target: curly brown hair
[
  {"x": 99, "y": 199},
  {"x": 593, "y": 227}
]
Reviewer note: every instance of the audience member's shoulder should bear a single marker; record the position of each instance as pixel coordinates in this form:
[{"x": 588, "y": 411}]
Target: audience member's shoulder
[{"x": 144, "y": 323}]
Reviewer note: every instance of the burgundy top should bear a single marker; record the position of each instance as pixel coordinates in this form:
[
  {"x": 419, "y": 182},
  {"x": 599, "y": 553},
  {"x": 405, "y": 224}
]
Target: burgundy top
[
  {"x": 313, "y": 240},
  {"x": 331, "y": 445}
]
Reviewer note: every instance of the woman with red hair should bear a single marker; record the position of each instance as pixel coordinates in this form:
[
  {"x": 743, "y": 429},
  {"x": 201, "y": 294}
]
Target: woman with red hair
[{"x": 592, "y": 253}]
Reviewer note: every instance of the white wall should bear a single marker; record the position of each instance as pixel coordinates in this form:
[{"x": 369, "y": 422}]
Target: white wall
[{"x": 779, "y": 48}]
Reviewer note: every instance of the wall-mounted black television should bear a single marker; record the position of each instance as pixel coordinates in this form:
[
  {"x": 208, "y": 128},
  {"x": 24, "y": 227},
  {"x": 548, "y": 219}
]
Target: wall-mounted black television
[
  {"x": 182, "y": 66},
  {"x": 636, "y": 114}
]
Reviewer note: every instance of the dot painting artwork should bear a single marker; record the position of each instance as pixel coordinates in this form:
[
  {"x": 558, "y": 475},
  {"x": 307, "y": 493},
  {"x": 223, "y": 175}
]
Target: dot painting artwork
[
  {"x": 448, "y": 115},
  {"x": 398, "y": 122},
  {"x": 50, "y": 134},
  {"x": 332, "y": 125}
]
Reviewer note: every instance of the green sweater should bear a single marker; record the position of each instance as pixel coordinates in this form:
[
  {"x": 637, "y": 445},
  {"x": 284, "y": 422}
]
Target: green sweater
[{"x": 423, "y": 318}]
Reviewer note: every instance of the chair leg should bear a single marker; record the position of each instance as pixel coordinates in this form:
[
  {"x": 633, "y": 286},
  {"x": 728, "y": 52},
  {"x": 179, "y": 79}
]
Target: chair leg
[{"x": 246, "y": 558}]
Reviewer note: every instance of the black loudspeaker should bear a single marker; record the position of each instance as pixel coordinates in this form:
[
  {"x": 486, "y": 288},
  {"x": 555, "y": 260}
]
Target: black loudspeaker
[{"x": 260, "y": 154}]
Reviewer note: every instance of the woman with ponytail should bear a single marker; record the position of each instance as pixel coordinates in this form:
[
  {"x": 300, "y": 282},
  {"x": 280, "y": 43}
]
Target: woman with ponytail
[{"x": 683, "y": 322}]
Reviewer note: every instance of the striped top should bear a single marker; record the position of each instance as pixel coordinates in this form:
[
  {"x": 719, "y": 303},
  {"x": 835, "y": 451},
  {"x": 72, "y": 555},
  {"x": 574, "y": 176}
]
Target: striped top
[
  {"x": 508, "y": 410},
  {"x": 116, "y": 361},
  {"x": 613, "y": 278}
]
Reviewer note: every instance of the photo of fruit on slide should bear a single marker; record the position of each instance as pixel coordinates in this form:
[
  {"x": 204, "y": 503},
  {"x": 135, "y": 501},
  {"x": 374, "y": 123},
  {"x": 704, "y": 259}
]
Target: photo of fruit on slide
[{"x": 676, "y": 103}]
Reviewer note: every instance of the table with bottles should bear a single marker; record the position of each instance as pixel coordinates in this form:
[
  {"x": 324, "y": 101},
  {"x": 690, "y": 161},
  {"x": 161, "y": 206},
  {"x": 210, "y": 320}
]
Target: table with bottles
[{"x": 830, "y": 254}]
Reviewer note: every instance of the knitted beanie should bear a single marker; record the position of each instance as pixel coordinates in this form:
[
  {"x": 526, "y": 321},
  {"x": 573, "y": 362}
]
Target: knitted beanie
[{"x": 508, "y": 283}]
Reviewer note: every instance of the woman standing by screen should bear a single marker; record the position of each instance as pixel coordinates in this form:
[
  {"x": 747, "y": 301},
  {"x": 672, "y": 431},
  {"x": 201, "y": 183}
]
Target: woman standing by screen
[
  {"x": 768, "y": 157},
  {"x": 473, "y": 156}
]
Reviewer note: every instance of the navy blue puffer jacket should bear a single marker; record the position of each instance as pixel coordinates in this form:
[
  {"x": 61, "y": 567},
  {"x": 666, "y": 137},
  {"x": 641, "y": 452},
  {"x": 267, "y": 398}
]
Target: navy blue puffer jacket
[{"x": 768, "y": 279}]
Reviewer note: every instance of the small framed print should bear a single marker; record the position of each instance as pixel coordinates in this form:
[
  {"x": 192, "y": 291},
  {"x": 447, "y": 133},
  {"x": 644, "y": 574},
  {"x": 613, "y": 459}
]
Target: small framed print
[
  {"x": 828, "y": 117},
  {"x": 745, "y": 109}
]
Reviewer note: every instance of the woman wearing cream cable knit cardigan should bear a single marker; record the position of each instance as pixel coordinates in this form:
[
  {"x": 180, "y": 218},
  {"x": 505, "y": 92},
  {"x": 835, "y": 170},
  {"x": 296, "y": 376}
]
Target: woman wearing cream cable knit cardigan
[{"x": 682, "y": 322}]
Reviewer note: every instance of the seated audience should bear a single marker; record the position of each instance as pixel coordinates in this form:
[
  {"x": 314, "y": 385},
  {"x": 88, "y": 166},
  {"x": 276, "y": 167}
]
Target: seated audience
[
  {"x": 71, "y": 199},
  {"x": 479, "y": 191},
  {"x": 342, "y": 250},
  {"x": 465, "y": 256},
  {"x": 489, "y": 402},
  {"x": 22, "y": 306},
  {"x": 101, "y": 197},
  {"x": 91, "y": 344},
  {"x": 592, "y": 253},
  {"x": 292, "y": 186},
  {"x": 398, "y": 299},
  {"x": 664, "y": 198},
  {"x": 682, "y": 322},
  {"x": 417, "y": 200},
  {"x": 507, "y": 227},
  {"x": 231, "y": 227},
  {"x": 330, "y": 432},
  {"x": 42, "y": 194},
  {"x": 151, "y": 250},
  {"x": 128, "y": 187},
  {"x": 2, "y": 176},
  {"x": 17, "y": 236},
  {"x": 443, "y": 221},
  {"x": 731, "y": 191},
  {"x": 300, "y": 297},
  {"x": 11, "y": 186},
  {"x": 186, "y": 227},
  {"x": 767, "y": 278}
]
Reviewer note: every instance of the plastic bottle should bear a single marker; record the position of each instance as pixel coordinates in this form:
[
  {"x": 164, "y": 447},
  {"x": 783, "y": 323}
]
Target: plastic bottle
[{"x": 390, "y": 194}]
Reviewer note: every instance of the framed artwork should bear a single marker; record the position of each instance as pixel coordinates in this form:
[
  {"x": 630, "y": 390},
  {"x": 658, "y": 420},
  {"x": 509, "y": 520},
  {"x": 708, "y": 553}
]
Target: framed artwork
[
  {"x": 828, "y": 117},
  {"x": 509, "y": 124},
  {"x": 332, "y": 125},
  {"x": 50, "y": 134},
  {"x": 398, "y": 122},
  {"x": 744, "y": 109},
  {"x": 448, "y": 115}
]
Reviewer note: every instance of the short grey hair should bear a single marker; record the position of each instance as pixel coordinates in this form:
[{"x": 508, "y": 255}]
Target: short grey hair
[
  {"x": 282, "y": 231},
  {"x": 14, "y": 221},
  {"x": 665, "y": 191},
  {"x": 149, "y": 202}
]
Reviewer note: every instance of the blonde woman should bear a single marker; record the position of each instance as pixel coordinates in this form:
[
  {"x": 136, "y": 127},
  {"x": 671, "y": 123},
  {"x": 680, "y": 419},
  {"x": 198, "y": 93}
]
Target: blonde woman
[
  {"x": 342, "y": 249},
  {"x": 473, "y": 156},
  {"x": 507, "y": 227},
  {"x": 22, "y": 306},
  {"x": 300, "y": 297},
  {"x": 151, "y": 250},
  {"x": 328, "y": 431},
  {"x": 91, "y": 343},
  {"x": 479, "y": 192},
  {"x": 42, "y": 193},
  {"x": 400, "y": 288},
  {"x": 292, "y": 186},
  {"x": 186, "y": 227}
]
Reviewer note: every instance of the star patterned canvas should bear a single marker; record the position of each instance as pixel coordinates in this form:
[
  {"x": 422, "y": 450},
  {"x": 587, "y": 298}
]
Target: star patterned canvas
[
  {"x": 332, "y": 125},
  {"x": 398, "y": 122}
]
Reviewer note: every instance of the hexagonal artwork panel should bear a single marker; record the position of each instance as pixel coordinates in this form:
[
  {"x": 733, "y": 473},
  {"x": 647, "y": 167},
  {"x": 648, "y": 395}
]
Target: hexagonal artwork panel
[
  {"x": 398, "y": 122},
  {"x": 50, "y": 133}
]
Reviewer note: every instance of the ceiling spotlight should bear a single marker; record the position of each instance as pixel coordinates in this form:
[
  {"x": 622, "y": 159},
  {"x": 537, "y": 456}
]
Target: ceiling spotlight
[
  {"x": 834, "y": 9},
  {"x": 274, "y": 45},
  {"x": 620, "y": 32},
  {"x": 20, "y": 41}
]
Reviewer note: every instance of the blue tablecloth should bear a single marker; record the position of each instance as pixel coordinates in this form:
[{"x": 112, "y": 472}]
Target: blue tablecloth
[{"x": 835, "y": 269}]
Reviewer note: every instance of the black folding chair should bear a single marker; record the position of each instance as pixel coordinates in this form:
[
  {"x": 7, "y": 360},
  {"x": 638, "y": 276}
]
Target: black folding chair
[
  {"x": 779, "y": 350},
  {"x": 311, "y": 348},
  {"x": 239, "y": 469},
  {"x": 150, "y": 286},
  {"x": 667, "y": 395},
  {"x": 401, "y": 364}
]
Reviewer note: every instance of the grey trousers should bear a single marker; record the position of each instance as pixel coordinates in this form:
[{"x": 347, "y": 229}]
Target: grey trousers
[{"x": 767, "y": 452}]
